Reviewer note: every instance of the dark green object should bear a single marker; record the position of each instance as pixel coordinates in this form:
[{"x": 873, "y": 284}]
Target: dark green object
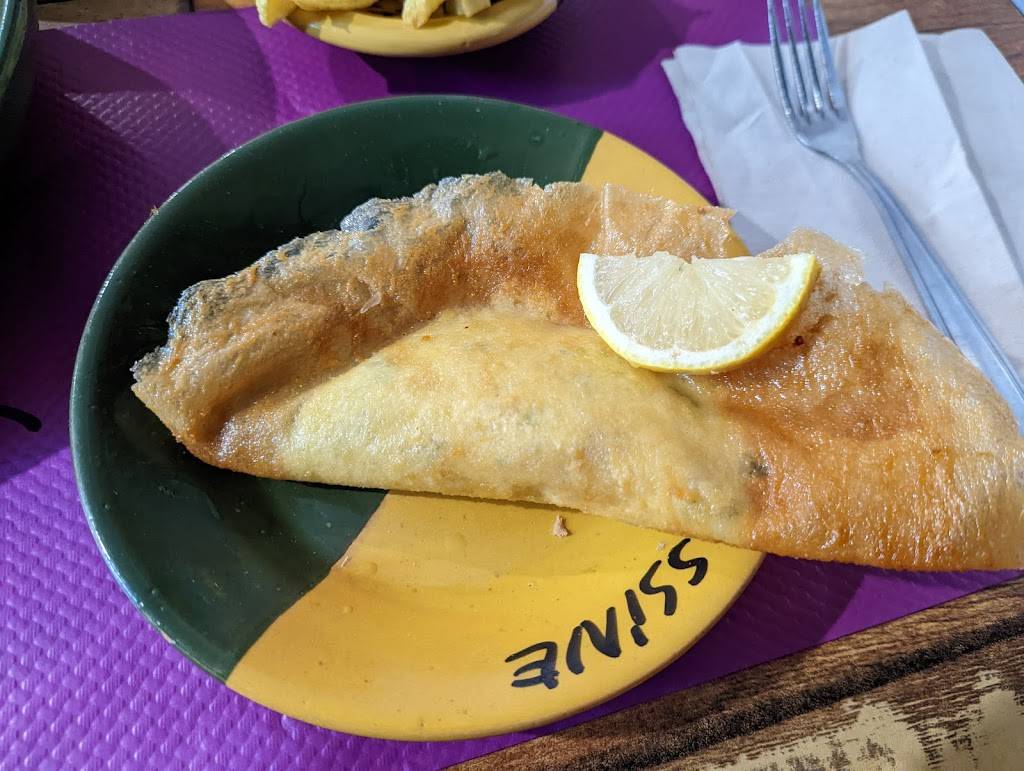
[
  {"x": 212, "y": 557},
  {"x": 17, "y": 31}
]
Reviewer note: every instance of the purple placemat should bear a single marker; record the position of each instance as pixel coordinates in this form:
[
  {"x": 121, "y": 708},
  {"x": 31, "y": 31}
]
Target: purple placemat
[{"x": 125, "y": 112}]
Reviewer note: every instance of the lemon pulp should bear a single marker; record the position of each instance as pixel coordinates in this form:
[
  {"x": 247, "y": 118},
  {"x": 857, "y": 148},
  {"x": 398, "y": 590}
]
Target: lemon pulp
[{"x": 666, "y": 313}]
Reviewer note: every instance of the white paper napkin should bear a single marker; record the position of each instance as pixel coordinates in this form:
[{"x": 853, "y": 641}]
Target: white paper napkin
[{"x": 941, "y": 121}]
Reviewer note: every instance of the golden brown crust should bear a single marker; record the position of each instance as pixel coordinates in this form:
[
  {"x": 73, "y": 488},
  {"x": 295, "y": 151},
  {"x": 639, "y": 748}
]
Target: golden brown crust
[
  {"x": 878, "y": 441},
  {"x": 867, "y": 437},
  {"x": 314, "y": 306}
]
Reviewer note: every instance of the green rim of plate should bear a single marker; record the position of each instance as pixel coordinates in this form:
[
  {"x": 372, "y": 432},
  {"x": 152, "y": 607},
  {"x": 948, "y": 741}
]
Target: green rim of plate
[
  {"x": 13, "y": 23},
  {"x": 211, "y": 557},
  {"x": 17, "y": 22}
]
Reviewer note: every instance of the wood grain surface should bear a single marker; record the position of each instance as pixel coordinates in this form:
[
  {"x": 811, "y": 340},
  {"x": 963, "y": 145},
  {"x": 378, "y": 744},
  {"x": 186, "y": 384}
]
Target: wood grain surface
[
  {"x": 1003, "y": 23},
  {"x": 66, "y": 12},
  {"x": 943, "y": 688}
]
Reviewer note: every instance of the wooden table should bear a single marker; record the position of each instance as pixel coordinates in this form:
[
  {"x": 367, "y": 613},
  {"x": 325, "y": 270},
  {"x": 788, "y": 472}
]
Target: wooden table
[{"x": 943, "y": 688}]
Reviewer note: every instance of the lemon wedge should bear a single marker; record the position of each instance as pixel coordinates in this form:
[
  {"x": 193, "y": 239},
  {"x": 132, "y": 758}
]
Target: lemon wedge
[{"x": 665, "y": 313}]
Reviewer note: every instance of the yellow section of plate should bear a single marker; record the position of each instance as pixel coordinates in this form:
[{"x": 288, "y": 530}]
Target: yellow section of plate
[
  {"x": 370, "y": 33},
  {"x": 419, "y": 631},
  {"x": 410, "y": 635},
  {"x": 617, "y": 161}
]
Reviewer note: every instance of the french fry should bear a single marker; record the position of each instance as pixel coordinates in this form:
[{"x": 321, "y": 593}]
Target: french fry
[
  {"x": 333, "y": 5},
  {"x": 465, "y": 7},
  {"x": 272, "y": 11},
  {"x": 416, "y": 12}
]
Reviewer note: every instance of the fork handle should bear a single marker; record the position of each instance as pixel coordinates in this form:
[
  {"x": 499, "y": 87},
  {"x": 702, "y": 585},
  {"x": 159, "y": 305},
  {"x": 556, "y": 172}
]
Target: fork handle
[{"x": 946, "y": 305}]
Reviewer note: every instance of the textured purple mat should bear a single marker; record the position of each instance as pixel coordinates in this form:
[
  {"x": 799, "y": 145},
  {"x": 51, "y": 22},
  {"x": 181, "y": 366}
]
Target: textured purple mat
[{"x": 124, "y": 113}]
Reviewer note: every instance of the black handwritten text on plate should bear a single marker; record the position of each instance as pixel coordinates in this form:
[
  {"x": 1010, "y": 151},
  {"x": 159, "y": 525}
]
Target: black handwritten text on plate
[{"x": 604, "y": 637}]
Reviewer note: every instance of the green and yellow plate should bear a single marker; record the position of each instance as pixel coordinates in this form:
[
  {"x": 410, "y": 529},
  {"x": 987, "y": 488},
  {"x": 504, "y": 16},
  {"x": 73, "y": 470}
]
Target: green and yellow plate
[{"x": 383, "y": 614}]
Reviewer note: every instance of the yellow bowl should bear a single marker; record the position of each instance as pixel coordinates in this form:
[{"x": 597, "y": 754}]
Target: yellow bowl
[{"x": 371, "y": 33}]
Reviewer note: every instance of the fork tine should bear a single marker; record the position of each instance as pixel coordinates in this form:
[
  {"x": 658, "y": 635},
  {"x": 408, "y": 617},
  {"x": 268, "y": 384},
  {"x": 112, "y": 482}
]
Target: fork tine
[
  {"x": 780, "y": 72},
  {"x": 801, "y": 88},
  {"x": 815, "y": 79},
  {"x": 831, "y": 81}
]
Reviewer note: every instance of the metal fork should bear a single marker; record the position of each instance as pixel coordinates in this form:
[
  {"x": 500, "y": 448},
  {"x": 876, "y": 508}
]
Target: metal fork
[{"x": 815, "y": 106}]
